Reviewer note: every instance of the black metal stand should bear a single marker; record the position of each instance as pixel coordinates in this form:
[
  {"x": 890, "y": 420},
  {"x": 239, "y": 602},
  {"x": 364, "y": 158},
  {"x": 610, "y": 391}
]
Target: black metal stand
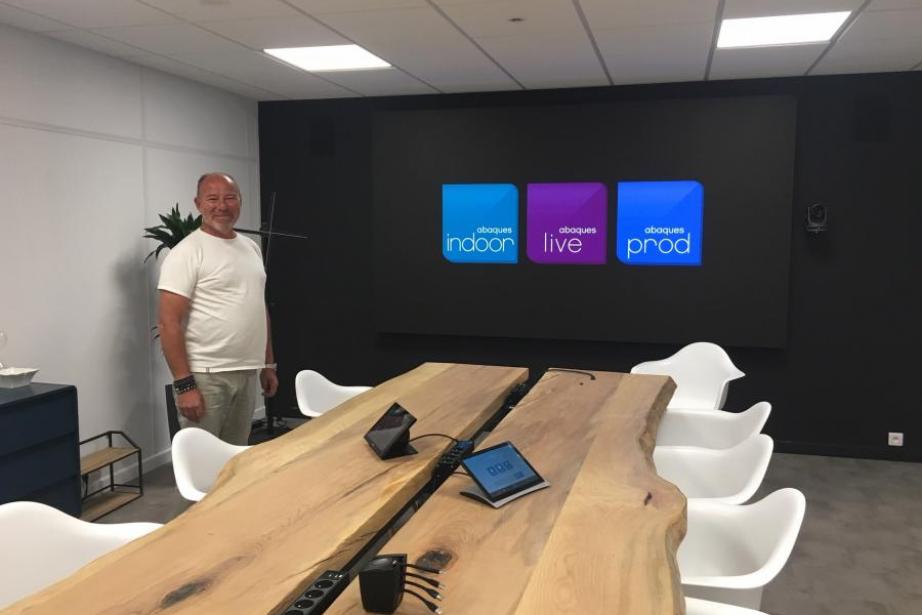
[{"x": 268, "y": 234}]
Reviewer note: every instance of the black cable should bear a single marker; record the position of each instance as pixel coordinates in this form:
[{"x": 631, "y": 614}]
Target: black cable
[
  {"x": 431, "y": 592},
  {"x": 441, "y": 435},
  {"x": 425, "y": 568},
  {"x": 431, "y": 582},
  {"x": 432, "y": 606}
]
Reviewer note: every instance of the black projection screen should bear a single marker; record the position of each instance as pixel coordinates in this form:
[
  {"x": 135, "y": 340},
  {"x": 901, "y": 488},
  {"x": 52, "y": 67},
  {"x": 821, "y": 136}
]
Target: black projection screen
[{"x": 740, "y": 149}]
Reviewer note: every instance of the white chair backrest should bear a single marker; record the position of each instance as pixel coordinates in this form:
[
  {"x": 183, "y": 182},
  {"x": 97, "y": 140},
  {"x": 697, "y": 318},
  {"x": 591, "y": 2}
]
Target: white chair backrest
[
  {"x": 709, "y": 429},
  {"x": 317, "y": 395},
  {"x": 731, "y": 476},
  {"x": 198, "y": 458},
  {"x": 731, "y": 552},
  {"x": 42, "y": 545},
  {"x": 693, "y": 606},
  {"x": 702, "y": 372}
]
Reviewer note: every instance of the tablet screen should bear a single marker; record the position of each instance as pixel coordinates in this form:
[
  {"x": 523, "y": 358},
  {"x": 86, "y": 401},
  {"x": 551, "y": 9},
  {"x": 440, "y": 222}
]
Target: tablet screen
[{"x": 501, "y": 470}]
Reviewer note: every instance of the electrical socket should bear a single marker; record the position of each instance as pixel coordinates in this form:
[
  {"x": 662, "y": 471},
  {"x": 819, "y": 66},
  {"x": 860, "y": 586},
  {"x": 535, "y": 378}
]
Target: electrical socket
[{"x": 895, "y": 438}]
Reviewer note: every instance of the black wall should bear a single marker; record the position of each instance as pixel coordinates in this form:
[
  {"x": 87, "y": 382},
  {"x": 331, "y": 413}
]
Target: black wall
[{"x": 847, "y": 376}]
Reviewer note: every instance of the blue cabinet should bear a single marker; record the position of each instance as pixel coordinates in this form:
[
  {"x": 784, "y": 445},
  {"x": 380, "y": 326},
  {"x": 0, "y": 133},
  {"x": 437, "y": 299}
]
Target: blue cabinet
[{"x": 39, "y": 446}]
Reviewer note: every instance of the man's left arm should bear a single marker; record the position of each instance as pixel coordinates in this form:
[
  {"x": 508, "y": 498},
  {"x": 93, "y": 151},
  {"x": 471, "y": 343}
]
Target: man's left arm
[{"x": 268, "y": 377}]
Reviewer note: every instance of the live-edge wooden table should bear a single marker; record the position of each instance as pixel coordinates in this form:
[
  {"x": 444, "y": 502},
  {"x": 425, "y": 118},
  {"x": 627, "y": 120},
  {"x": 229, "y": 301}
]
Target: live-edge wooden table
[{"x": 601, "y": 540}]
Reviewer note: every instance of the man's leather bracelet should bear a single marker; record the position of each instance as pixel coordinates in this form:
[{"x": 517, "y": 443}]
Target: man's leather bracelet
[{"x": 184, "y": 385}]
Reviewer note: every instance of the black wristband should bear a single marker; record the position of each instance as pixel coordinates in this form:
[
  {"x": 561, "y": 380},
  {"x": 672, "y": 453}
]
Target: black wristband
[{"x": 184, "y": 385}]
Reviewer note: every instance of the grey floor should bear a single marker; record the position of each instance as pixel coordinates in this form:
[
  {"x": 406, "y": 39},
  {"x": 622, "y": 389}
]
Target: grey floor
[{"x": 859, "y": 551}]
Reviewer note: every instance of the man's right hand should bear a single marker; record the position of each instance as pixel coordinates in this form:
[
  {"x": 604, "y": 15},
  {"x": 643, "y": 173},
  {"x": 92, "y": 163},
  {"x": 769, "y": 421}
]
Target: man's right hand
[{"x": 191, "y": 405}]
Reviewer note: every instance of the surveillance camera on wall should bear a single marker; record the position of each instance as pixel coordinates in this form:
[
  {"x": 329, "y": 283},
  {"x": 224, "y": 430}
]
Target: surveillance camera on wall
[{"x": 817, "y": 218}]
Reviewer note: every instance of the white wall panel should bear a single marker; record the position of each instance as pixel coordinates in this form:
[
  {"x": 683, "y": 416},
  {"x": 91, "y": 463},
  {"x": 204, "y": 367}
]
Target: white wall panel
[
  {"x": 90, "y": 155},
  {"x": 179, "y": 112},
  {"x": 52, "y": 82},
  {"x": 74, "y": 300}
]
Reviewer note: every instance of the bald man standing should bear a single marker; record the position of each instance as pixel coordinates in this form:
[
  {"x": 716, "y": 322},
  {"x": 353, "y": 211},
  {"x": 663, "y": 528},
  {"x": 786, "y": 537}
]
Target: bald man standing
[{"x": 213, "y": 323}]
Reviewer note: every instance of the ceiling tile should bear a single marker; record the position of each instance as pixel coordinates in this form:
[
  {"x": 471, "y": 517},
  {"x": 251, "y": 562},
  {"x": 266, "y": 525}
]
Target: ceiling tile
[
  {"x": 171, "y": 40},
  {"x": 886, "y": 24},
  {"x": 387, "y": 82},
  {"x": 764, "y": 8},
  {"x": 676, "y": 52},
  {"x": 274, "y": 32},
  {"x": 747, "y": 63},
  {"x": 193, "y": 73},
  {"x": 95, "y": 13},
  {"x": 424, "y": 44},
  {"x": 492, "y": 19},
  {"x": 878, "y": 63},
  {"x": 612, "y": 14},
  {"x": 261, "y": 71},
  {"x": 863, "y": 55},
  {"x": 322, "y": 7},
  {"x": 26, "y": 20},
  {"x": 889, "y": 5},
  {"x": 88, "y": 39},
  {"x": 220, "y": 10},
  {"x": 567, "y": 59}
]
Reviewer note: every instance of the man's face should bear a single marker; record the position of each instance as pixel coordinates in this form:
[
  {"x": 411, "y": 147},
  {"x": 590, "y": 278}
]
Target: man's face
[{"x": 218, "y": 201}]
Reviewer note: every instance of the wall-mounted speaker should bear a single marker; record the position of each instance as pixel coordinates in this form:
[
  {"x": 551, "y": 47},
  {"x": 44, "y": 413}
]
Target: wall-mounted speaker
[{"x": 817, "y": 218}]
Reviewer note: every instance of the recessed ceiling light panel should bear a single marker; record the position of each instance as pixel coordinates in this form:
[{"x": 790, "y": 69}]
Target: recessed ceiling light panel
[
  {"x": 780, "y": 30},
  {"x": 329, "y": 58}
]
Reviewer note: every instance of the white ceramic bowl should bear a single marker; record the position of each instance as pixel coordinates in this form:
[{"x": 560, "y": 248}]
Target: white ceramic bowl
[{"x": 15, "y": 377}]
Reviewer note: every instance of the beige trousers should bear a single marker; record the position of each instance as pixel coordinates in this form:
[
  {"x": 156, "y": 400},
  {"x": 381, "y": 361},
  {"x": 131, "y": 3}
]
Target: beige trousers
[{"x": 229, "y": 401}]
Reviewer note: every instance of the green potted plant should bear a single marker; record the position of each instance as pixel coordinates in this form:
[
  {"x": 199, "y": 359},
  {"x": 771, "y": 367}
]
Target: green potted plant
[{"x": 173, "y": 229}]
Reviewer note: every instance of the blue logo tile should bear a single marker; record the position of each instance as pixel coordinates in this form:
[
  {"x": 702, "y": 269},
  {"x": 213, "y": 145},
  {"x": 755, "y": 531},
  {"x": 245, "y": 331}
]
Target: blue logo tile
[
  {"x": 480, "y": 223},
  {"x": 660, "y": 223}
]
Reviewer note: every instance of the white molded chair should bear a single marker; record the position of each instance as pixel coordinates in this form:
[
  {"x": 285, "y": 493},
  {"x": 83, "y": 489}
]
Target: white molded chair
[
  {"x": 730, "y": 553},
  {"x": 693, "y": 606},
  {"x": 42, "y": 545},
  {"x": 702, "y": 372},
  {"x": 709, "y": 429},
  {"x": 198, "y": 457},
  {"x": 317, "y": 395},
  {"x": 730, "y": 476}
]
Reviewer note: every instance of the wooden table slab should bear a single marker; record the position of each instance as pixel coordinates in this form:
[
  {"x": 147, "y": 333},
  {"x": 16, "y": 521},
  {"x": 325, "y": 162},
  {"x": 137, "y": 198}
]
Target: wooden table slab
[
  {"x": 283, "y": 512},
  {"x": 600, "y": 541}
]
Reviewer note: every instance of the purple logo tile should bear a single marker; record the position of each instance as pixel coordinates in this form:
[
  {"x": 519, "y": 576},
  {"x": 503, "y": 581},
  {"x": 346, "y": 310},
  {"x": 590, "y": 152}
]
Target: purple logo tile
[{"x": 567, "y": 223}]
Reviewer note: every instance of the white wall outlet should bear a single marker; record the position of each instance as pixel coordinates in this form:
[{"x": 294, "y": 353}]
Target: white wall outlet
[{"x": 895, "y": 438}]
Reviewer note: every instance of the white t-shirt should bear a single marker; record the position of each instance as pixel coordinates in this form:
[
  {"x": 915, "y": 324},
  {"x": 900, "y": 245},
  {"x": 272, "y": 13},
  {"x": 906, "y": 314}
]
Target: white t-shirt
[{"x": 225, "y": 281}]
